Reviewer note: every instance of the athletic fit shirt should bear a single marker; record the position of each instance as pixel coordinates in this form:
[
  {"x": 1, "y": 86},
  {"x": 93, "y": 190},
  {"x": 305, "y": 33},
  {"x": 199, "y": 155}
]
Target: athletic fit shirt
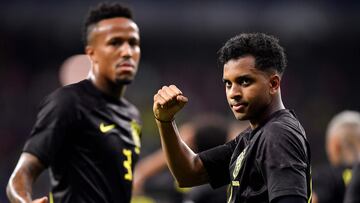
[
  {"x": 89, "y": 141},
  {"x": 352, "y": 194},
  {"x": 260, "y": 165},
  {"x": 329, "y": 183}
]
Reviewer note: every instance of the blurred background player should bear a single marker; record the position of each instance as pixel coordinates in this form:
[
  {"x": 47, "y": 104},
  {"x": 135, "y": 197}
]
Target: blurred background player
[
  {"x": 87, "y": 133},
  {"x": 352, "y": 194},
  {"x": 342, "y": 147}
]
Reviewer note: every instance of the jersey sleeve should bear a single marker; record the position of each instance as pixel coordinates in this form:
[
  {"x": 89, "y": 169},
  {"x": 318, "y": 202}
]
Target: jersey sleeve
[
  {"x": 216, "y": 162},
  {"x": 55, "y": 119},
  {"x": 284, "y": 162}
]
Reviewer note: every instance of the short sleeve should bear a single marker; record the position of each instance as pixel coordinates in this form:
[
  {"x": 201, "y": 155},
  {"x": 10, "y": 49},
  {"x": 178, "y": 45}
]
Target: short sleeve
[
  {"x": 284, "y": 161},
  {"x": 216, "y": 162},
  {"x": 54, "y": 119}
]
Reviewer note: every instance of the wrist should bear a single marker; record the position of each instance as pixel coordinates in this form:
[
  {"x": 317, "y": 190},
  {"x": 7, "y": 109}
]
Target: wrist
[{"x": 164, "y": 121}]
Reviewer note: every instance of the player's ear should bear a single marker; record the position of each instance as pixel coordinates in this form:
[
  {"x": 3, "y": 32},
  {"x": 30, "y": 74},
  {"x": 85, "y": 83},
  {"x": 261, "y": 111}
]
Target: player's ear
[
  {"x": 274, "y": 83},
  {"x": 89, "y": 50}
]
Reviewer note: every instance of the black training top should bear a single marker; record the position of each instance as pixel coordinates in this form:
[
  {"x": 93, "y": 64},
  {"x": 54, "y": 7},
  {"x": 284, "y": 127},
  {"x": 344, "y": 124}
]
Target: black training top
[
  {"x": 330, "y": 183},
  {"x": 271, "y": 161},
  {"x": 352, "y": 194},
  {"x": 89, "y": 141}
]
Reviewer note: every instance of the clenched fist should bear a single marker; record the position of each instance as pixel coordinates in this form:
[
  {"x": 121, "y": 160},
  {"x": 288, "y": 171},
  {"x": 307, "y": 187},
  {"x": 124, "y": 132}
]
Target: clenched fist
[{"x": 167, "y": 102}]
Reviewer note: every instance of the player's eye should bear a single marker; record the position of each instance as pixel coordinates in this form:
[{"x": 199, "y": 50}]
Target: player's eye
[
  {"x": 245, "y": 82},
  {"x": 115, "y": 42},
  {"x": 134, "y": 42},
  {"x": 227, "y": 84}
]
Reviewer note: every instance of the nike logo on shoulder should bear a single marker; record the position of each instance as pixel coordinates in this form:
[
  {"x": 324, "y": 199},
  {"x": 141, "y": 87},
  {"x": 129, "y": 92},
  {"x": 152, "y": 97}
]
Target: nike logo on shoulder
[{"x": 106, "y": 128}]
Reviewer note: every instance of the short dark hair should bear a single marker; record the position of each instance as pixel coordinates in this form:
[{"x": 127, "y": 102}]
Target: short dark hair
[
  {"x": 265, "y": 48},
  {"x": 103, "y": 11}
]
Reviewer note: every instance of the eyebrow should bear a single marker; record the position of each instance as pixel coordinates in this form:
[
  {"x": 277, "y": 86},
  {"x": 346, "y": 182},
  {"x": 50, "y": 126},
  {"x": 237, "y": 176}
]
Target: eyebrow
[
  {"x": 122, "y": 38},
  {"x": 242, "y": 77}
]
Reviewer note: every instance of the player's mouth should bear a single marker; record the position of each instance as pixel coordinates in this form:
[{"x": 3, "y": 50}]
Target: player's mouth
[
  {"x": 239, "y": 107},
  {"x": 125, "y": 66}
]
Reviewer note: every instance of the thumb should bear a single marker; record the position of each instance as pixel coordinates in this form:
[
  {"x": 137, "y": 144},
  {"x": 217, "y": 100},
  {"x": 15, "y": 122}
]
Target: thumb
[
  {"x": 182, "y": 99},
  {"x": 41, "y": 200}
]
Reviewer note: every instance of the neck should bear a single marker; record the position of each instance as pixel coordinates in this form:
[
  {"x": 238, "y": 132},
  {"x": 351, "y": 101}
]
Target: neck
[
  {"x": 275, "y": 105},
  {"x": 113, "y": 90}
]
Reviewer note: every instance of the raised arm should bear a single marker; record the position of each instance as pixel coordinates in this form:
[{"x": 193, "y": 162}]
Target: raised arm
[
  {"x": 185, "y": 165},
  {"x": 26, "y": 171},
  {"x": 156, "y": 162}
]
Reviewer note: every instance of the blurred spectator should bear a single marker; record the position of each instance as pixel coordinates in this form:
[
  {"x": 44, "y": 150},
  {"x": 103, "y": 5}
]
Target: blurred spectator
[
  {"x": 352, "y": 194},
  {"x": 342, "y": 145}
]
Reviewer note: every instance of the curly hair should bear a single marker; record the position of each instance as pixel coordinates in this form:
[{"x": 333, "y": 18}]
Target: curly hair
[
  {"x": 269, "y": 55},
  {"x": 103, "y": 11}
]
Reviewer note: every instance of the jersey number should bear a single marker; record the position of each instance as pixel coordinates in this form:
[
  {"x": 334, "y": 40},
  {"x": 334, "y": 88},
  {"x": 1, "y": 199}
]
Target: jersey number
[{"x": 127, "y": 164}]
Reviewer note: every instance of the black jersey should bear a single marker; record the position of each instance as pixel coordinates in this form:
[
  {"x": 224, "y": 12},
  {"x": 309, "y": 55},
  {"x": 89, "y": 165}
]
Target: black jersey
[
  {"x": 330, "y": 183},
  {"x": 89, "y": 141},
  {"x": 260, "y": 165},
  {"x": 205, "y": 194},
  {"x": 352, "y": 194}
]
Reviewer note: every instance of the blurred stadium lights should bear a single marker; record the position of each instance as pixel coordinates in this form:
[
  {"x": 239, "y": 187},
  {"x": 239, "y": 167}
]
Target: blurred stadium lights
[{"x": 283, "y": 17}]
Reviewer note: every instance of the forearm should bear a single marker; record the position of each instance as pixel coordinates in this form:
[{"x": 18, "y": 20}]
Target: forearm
[
  {"x": 184, "y": 164},
  {"x": 19, "y": 187},
  {"x": 26, "y": 171}
]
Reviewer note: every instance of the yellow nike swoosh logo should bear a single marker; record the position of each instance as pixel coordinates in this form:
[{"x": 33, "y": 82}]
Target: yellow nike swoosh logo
[{"x": 106, "y": 128}]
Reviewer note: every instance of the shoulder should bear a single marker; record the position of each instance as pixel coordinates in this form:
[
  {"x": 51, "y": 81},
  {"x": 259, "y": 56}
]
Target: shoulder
[
  {"x": 284, "y": 133},
  {"x": 275, "y": 130},
  {"x": 63, "y": 96},
  {"x": 63, "y": 99},
  {"x": 285, "y": 125},
  {"x": 66, "y": 94}
]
